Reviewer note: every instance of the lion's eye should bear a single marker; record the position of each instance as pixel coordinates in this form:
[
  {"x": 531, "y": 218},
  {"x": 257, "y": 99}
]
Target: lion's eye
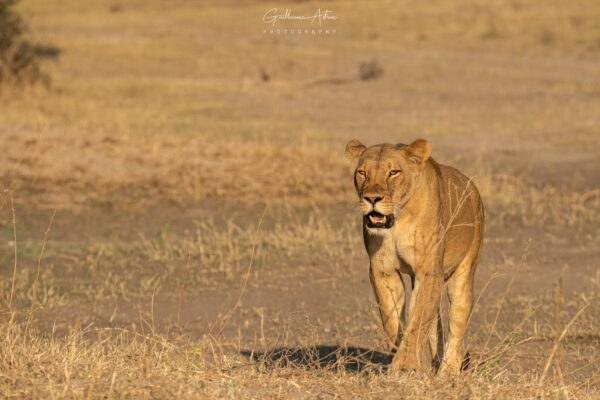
[
  {"x": 394, "y": 172},
  {"x": 363, "y": 173}
]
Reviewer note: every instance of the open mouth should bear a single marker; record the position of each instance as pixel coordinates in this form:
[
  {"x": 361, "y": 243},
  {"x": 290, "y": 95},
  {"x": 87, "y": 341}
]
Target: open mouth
[{"x": 376, "y": 220}]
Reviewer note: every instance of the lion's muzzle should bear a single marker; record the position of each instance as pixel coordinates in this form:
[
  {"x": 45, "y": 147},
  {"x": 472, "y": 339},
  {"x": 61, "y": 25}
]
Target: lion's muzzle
[{"x": 380, "y": 221}]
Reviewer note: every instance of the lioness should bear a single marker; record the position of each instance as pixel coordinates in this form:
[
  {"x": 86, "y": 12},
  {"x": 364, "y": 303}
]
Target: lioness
[{"x": 423, "y": 219}]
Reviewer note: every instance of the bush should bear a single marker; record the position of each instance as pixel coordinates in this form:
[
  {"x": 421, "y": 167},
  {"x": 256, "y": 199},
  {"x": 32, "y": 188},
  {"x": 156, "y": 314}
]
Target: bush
[{"x": 18, "y": 58}]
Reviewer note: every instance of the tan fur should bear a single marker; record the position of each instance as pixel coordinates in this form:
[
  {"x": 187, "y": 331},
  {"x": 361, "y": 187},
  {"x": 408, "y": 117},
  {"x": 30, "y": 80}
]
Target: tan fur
[{"x": 435, "y": 238}]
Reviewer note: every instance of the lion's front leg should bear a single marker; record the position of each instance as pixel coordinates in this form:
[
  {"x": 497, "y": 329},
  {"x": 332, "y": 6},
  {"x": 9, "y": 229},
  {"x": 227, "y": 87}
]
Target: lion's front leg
[
  {"x": 425, "y": 301},
  {"x": 389, "y": 292}
]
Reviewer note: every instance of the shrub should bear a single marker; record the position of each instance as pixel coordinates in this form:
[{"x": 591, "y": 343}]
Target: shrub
[{"x": 18, "y": 57}]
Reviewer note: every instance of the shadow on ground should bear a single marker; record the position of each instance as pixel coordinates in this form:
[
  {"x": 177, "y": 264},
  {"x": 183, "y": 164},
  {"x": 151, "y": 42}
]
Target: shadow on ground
[{"x": 353, "y": 359}]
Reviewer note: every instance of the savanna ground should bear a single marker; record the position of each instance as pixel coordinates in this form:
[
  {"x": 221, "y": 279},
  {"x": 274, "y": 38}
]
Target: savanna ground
[{"x": 172, "y": 129}]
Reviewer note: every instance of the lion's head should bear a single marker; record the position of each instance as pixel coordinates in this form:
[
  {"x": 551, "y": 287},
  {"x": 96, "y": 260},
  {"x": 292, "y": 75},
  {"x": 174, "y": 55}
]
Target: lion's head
[{"x": 385, "y": 178}]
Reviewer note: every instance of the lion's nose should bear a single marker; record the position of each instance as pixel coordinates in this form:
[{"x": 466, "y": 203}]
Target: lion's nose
[{"x": 373, "y": 199}]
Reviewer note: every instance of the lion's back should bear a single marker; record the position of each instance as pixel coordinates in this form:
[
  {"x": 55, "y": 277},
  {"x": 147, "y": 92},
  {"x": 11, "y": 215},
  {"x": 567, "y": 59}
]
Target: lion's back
[{"x": 462, "y": 213}]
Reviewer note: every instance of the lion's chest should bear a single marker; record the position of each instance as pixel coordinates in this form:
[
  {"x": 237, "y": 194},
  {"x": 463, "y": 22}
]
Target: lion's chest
[{"x": 406, "y": 246}]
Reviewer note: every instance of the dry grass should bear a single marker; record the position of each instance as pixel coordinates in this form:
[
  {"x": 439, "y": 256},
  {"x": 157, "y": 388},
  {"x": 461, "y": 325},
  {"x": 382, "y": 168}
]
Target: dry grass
[
  {"x": 160, "y": 141},
  {"x": 146, "y": 355},
  {"x": 96, "y": 363},
  {"x": 138, "y": 173},
  {"x": 218, "y": 251}
]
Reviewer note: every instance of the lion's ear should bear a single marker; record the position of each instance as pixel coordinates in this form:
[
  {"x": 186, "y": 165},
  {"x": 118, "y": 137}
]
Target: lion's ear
[
  {"x": 354, "y": 150},
  {"x": 418, "y": 151}
]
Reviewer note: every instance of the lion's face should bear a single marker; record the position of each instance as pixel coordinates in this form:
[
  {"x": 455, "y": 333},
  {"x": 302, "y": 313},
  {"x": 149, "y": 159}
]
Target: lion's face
[{"x": 385, "y": 178}]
